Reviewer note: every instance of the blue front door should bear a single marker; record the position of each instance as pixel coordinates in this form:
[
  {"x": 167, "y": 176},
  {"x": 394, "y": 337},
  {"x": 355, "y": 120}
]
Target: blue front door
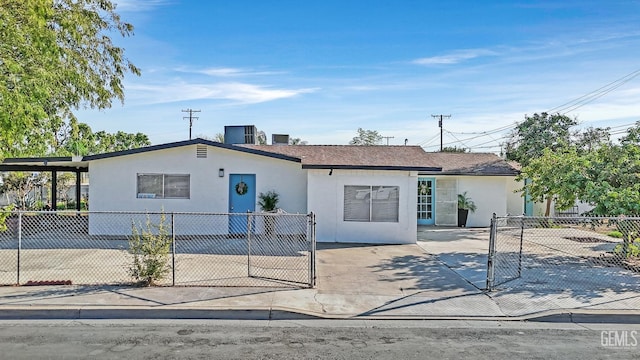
[
  {"x": 242, "y": 199},
  {"x": 528, "y": 203},
  {"x": 426, "y": 200}
]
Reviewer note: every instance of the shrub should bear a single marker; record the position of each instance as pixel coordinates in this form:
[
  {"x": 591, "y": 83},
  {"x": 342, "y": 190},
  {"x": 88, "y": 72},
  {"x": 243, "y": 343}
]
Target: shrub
[
  {"x": 268, "y": 201},
  {"x": 615, "y": 234},
  {"x": 630, "y": 230},
  {"x": 628, "y": 249},
  {"x": 150, "y": 247},
  {"x": 4, "y": 214},
  {"x": 465, "y": 203}
]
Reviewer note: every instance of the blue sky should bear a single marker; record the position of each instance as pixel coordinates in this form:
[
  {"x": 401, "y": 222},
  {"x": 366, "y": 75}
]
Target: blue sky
[{"x": 319, "y": 70}]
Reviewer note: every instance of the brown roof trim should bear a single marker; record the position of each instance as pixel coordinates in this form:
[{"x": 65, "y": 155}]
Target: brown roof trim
[{"x": 372, "y": 167}]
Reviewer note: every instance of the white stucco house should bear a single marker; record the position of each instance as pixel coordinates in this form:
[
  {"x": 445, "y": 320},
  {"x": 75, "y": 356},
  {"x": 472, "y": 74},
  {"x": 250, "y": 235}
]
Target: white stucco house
[{"x": 364, "y": 194}]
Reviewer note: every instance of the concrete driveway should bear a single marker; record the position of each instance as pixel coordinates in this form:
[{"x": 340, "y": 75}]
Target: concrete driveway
[
  {"x": 463, "y": 250},
  {"x": 395, "y": 280}
]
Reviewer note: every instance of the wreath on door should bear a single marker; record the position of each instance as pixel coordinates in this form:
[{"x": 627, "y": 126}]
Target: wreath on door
[{"x": 242, "y": 188}]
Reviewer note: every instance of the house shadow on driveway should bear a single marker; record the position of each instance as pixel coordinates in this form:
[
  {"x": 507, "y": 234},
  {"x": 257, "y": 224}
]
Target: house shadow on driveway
[
  {"x": 463, "y": 250},
  {"x": 384, "y": 269},
  {"x": 534, "y": 281},
  {"x": 404, "y": 279}
]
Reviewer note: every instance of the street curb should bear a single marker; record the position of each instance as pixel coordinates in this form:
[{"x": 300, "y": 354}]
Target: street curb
[
  {"x": 111, "y": 312},
  {"x": 86, "y": 313}
]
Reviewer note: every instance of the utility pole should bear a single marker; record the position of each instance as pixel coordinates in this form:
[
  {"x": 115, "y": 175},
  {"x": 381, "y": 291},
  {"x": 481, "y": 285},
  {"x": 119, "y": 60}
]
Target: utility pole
[
  {"x": 387, "y": 137},
  {"x": 440, "y": 125},
  {"x": 191, "y": 118}
]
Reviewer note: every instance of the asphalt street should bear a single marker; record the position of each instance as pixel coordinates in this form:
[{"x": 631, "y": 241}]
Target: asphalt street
[{"x": 315, "y": 339}]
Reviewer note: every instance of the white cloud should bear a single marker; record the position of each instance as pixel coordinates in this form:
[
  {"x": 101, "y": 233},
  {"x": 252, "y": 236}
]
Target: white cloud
[
  {"x": 221, "y": 71},
  {"x": 138, "y": 5},
  {"x": 362, "y": 88},
  {"x": 227, "y": 71},
  {"x": 234, "y": 91},
  {"x": 454, "y": 57}
]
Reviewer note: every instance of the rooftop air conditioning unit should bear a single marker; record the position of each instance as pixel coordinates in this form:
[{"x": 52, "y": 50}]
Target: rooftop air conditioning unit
[
  {"x": 279, "y": 139},
  {"x": 240, "y": 134}
]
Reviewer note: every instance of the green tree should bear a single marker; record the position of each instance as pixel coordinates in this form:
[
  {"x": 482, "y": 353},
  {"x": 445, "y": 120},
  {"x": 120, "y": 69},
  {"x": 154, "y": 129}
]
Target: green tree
[
  {"x": 366, "y": 137},
  {"x": 261, "y": 137},
  {"x": 555, "y": 175},
  {"x": 612, "y": 179},
  {"x": 297, "y": 141},
  {"x": 64, "y": 182},
  {"x": 454, "y": 149},
  {"x": 78, "y": 139},
  {"x": 592, "y": 138},
  {"x": 108, "y": 142},
  {"x": 57, "y": 56},
  {"x": 536, "y": 133},
  {"x": 22, "y": 185},
  {"x": 607, "y": 177}
]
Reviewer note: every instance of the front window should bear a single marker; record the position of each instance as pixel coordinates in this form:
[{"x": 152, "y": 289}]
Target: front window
[
  {"x": 371, "y": 203},
  {"x": 163, "y": 186}
]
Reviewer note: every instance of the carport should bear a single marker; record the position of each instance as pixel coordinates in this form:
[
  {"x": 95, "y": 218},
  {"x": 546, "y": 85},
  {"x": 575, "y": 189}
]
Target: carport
[{"x": 73, "y": 164}]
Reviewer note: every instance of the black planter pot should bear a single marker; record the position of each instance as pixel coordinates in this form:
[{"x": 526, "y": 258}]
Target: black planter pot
[{"x": 462, "y": 217}]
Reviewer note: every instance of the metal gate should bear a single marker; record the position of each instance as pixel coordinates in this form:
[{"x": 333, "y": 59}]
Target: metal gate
[
  {"x": 598, "y": 255},
  {"x": 504, "y": 261}
]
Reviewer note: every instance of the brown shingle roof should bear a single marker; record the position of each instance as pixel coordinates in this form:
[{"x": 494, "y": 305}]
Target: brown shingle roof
[
  {"x": 355, "y": 157},
  {"x": 392, "y": 157},
  {"x": 472, "y": 164}
]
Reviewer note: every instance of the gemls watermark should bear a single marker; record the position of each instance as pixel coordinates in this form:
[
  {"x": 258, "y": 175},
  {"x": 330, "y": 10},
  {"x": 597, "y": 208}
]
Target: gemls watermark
[{"x": 619, "y": 338}]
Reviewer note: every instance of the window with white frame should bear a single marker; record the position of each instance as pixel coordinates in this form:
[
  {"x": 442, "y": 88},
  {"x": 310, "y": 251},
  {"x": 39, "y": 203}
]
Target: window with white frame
[
  {"x": 371, "y": 203},
  {"x": 163, "y": 186}
]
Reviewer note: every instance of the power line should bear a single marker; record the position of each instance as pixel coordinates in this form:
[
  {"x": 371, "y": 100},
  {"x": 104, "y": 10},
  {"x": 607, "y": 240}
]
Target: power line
[
  {"x": 564, "y": 108},
  {"x": 489, "y": 132},
  {"x": 427, "y": 142},
  {"x": 595, "y": 94},
  {"x": 460, "y": 141},
  {"x": 578, "y": 102},
  {"x": 480, "y": 145}
]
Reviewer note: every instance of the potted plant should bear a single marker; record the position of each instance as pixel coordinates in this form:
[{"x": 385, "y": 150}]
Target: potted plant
[
  {"x": 465, "y": 204},
  {"x": 268, "y": 202}
]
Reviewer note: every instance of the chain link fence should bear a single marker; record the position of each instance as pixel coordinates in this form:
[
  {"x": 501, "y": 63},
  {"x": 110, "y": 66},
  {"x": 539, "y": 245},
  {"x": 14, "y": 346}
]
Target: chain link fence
[
  {"x": 201, "y": 249},
  {"x": 565, "y": 254}
]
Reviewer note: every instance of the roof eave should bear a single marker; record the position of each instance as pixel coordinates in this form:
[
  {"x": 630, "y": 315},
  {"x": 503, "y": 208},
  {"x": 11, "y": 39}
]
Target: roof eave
[
  {"x": 456, "y": 173},
  {"x": 370, "y": 167},
  {"x": 192, "y": 142},
  {"x": 41, "y": 159}
]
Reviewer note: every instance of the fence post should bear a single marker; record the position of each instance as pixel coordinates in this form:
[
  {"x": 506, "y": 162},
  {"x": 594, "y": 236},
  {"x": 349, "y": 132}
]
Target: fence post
[
  {"x": 248, "y": 243},
  {"x": 521, "y": 242},
  {"x": 173, "y": 249},
  {"x": 492, "y": 252},
  {"x": 312, "y": 246},
  {"x": 19, "y": 246}
]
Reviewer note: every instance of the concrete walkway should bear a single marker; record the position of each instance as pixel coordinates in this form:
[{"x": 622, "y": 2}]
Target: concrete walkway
[{"x": 425, "y": 281}]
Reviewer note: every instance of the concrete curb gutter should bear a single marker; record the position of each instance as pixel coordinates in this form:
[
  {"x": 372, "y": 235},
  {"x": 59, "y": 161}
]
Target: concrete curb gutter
[
  {"x": 109, "y": 312},
  {"x": 280, "y": 313}
]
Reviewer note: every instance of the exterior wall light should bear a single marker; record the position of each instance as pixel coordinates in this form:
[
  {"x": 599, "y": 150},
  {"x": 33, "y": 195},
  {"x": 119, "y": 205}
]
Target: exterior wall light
[{"x": 221, "y": 172}]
